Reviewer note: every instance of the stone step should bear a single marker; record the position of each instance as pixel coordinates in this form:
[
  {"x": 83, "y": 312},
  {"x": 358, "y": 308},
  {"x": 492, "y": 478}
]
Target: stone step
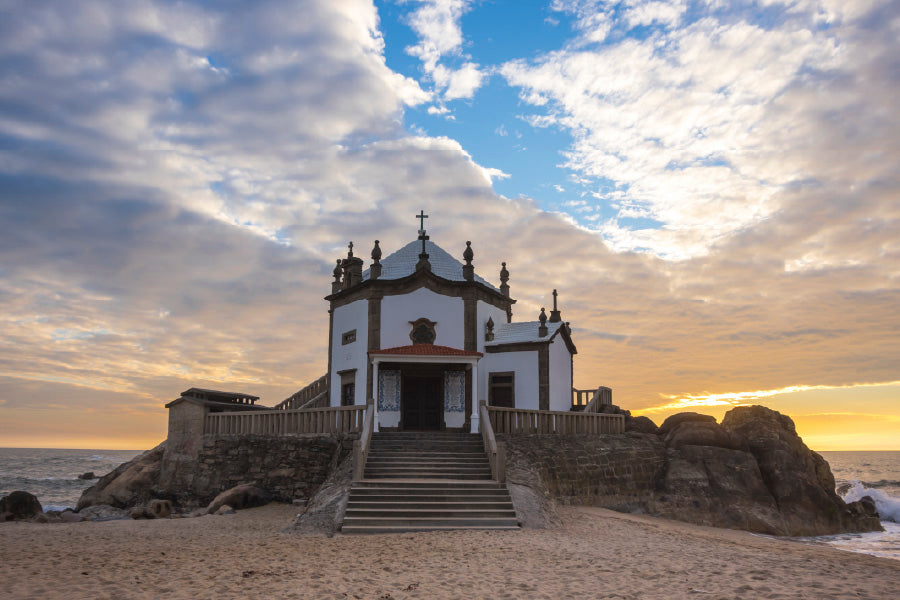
[
  {"x": 438, "y": 460},
  {"x": 430, "y": 504},
  {"x": 425, "y": 465},
  {"x": 415, "y": 496},
  {"x": 447, "y": 522},
  {"x": 417, "y": 475},
  {"x": 385, "y": 447},
  {"x": 419, "y": 484},
  {"x": 388, "y": 514},
  {"x": 377, "y": 529}
]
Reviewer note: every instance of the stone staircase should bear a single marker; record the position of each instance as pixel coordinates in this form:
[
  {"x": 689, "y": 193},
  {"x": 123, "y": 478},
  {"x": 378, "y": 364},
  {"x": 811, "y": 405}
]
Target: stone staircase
[{"x": 425, "y": 481}]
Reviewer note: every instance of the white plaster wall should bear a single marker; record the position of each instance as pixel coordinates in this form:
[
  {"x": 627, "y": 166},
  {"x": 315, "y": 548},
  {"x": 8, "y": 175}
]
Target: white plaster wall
[
  {"x": 352, "y": 356},
  {"x": 560, "y": 375},
  {"x": 484, "y": 311},
  {"x": 398, "y": 311},
  {"x": 525, "y": 366}
]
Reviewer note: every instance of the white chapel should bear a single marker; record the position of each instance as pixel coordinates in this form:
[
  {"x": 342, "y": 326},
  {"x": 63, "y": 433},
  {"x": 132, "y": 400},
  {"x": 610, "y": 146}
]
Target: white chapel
[{"x": 425, "y": 338}]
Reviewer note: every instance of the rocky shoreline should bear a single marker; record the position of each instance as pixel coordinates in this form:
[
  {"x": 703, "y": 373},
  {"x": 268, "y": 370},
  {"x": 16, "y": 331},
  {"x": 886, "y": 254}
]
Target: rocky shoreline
[{"x": 751, "y": 471}]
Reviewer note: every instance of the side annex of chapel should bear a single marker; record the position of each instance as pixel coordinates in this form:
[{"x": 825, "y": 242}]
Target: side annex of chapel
[{"x": 424, "y": 337}]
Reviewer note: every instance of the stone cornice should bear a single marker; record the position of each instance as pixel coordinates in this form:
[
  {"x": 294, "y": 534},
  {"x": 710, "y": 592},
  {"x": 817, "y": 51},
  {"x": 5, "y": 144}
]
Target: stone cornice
[{"x": 423, "y": 278}]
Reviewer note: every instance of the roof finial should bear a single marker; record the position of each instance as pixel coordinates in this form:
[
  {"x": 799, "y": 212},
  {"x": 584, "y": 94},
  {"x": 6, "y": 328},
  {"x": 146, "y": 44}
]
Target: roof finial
[
  {"x": 375, "y": 269},
  {"x": 555, "y": 316},
  {"x": 423, "y": 257},
  {"x": 489, "y": 330},
  {"x": 350, "y": 250},
  {"x": 504, "y": 277},
  {"x": 542, "y": 329},
  {"x": 468, "y": 269},
  {"x": 337, "y": 273}
]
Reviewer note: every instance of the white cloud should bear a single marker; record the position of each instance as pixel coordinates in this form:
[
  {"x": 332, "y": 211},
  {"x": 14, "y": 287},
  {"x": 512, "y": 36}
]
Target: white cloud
[
  {"x": 436, "y": 22},
  {"x": 705, "y": 127}
]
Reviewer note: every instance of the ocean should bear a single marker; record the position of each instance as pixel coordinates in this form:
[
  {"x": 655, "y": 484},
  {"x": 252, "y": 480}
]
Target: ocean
[{"x": 52, "y": 476}]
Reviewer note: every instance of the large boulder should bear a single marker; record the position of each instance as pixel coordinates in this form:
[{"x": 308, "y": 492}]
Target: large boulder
[
  {"x": 19, "y": 505},
  {"x": 131, "y": 484},
  {"x": 716, "y": 486},
  {"x": 640, "y": 425},
  {"x": 238, "y": 497},
  {"x": 799, "y": 480},
  {"x": 677, "y": 419},
  {"x": 702, "y": 433}
]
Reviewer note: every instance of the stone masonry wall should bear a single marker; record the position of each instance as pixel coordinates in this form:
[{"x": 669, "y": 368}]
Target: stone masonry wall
[
  {"x": 615, "y": 471},
  {"x": 288, "y": 467}
]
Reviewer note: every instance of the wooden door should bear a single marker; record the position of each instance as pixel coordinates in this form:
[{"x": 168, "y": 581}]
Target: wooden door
[{"x": 422, "y": 403}]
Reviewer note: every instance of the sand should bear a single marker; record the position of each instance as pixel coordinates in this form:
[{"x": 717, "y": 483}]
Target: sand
[{"x": 595, "y": 554}]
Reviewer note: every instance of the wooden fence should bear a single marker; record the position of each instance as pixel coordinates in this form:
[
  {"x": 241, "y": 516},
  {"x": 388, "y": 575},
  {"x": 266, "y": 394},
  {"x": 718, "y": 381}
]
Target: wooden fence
[
  {"x": 517, "y": 420},
  {"x": 341, "y": 419},
  {"x": 317, "y": 390}
]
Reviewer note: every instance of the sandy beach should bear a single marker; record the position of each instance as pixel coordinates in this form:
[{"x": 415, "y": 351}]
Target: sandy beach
[{"x": 595, "y": 554}]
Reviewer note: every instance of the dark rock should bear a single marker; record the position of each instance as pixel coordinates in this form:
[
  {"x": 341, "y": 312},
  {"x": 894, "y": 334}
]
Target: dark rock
[
  {"x": 103, "y": 512},
  {"x": 239, "y": 497},
  {"x": 161, "y": 509},
  {"x": 679, "y": 418},
  {"x": 715, "y": 486},
  {"x": 141, "y": 512},
  {"x": 864, "y": 508},
  {"x": 88, "y": 475},
  {"x": 19, "y": 505},
  {"x": 640, "y": 425},
  {"x": 799, "y": 480},
  {"x": 702, "y": 433},
  {"x": 131, "y": 484},
  {"x": 69, "y": 516}
]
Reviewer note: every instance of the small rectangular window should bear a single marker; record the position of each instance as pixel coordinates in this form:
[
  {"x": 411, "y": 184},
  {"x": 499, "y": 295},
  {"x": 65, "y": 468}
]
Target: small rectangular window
[
  {"x": 501, "y": 389},
  {"x": 348, "y": 387},
  {"x": 348, "y": 337}
]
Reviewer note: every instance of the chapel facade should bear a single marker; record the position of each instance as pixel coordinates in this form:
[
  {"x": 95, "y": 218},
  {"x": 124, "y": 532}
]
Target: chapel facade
[{"x": 423, "y": 338}]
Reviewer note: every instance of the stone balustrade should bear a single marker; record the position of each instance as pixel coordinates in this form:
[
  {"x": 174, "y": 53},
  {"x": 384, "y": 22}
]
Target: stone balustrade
[{"x": 517, "y": 420}]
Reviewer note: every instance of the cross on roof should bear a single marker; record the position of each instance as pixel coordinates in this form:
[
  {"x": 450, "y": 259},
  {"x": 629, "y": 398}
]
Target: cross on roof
[
  {"x": 350, "y": 246},
  {"x": 421, "y": 217}
]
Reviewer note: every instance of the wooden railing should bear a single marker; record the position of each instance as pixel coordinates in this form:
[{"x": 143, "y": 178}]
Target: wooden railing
[
  {"x": 341, "y": 419},
  {"x": 309, "y": 397},
  {"x": 591, "y": 400},
  {"x": 361, "y": 446},
  {"x": 496, "y": 451},
  {"x": 517, "y": 420}
]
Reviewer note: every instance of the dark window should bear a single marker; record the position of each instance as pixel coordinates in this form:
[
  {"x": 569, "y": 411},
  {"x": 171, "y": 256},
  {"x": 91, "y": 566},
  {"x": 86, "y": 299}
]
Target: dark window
[
  {"x": 501, "y": 390},
  {"x": 348, "y": 338},
  {"x": 348, "y": 387},
  {"x": 348, "y": 394}
]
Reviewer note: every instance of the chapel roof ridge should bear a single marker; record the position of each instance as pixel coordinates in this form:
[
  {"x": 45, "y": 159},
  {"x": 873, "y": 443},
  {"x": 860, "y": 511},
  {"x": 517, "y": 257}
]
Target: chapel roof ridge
[{"x": 402, "y": 263}]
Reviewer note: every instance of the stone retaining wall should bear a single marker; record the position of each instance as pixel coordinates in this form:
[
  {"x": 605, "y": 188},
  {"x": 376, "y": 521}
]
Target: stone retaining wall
[
  {"x": 615, "y": 471},
  {"x": 288, "y": 467}
]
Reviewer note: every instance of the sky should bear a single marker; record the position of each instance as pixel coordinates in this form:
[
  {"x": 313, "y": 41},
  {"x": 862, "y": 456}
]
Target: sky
[{"x": 713, "y": 188}]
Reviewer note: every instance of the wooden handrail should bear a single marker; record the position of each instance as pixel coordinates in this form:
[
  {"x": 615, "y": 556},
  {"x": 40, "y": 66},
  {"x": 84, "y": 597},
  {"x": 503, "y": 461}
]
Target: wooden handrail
[
  {"x": 361, "y": 446},
  {"x": 496, "y": 451},
  {"x": 519, "y": 420},
  {"x": 340, "y": 419},
  {"x": 602, "y": 396},
  {"x": 304, "y": 397}
]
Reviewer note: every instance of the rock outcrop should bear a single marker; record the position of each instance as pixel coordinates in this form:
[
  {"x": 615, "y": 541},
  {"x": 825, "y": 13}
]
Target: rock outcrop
[
  {"x": 18, "y": 506},
  {"x": 752, "y": 472},
  {"x": 238, "y": 497},
  {"x": 130, "y": 484}
]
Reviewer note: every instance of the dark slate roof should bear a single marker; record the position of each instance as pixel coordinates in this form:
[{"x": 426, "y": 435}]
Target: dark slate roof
[{"x": 403, "y": 263}]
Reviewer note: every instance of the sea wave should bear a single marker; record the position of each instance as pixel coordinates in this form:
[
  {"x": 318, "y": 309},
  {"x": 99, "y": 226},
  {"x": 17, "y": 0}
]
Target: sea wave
[{"x": 888, "y": 506}]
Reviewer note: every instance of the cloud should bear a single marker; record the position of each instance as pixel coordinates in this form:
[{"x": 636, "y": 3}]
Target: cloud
[
  {"x": 712, "y": 126},
  {"x": 437, "y": 23}
]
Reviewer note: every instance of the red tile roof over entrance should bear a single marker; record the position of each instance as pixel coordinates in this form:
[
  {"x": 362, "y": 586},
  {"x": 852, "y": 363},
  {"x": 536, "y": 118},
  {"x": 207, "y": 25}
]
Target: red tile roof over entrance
[{"x": 426, "y": 350}]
